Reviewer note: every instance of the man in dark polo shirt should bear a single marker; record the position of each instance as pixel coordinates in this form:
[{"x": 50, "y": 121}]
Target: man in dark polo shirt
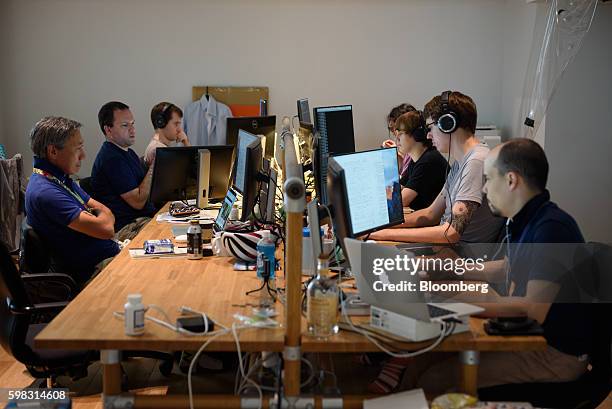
[
  {"x": 543, "y": 240},
  {"x": 118, "y": 178},
  {"x": 77, "y": 228}
]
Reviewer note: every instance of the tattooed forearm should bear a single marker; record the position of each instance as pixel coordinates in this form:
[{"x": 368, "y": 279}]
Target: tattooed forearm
[{"x": 462, "y": 214}]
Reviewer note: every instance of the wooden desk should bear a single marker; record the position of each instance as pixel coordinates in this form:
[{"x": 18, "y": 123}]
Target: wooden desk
[{"x": 212, "y": 286}]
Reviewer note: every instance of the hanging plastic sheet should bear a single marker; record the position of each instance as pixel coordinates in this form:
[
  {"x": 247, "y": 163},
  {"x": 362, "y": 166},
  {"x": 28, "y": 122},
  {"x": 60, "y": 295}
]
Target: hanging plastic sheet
[{"x": 561, "y": 25}]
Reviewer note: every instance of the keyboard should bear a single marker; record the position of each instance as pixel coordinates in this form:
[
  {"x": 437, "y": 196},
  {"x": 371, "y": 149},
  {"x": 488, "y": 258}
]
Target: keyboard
[{"x": 435, "y": 312}]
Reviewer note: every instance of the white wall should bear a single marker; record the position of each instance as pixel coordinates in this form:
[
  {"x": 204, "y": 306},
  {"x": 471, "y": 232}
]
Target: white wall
[
  {"x": 578, "y": 135},
  {"x": 518, "y": 28},
  {"x": 68, "y": 57}
]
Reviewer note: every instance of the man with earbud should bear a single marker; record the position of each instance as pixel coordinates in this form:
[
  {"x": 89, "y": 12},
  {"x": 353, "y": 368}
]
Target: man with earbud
[
  {"x": 457, "y": 213},
  {"x": 166, "y": 119},
  {"x": 118, "y": 179},
  {"x": 541, "y": 269}
]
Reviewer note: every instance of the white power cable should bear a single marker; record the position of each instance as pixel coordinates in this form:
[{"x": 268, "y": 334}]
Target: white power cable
[{"x": 443, "y": 334}]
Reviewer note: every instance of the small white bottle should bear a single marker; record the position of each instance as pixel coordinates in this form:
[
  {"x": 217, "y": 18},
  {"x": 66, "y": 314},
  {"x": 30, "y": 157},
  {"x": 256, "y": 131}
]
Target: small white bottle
[{"x": 134, "y": 315}]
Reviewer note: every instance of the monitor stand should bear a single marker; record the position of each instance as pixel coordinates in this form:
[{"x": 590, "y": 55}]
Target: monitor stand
[{"x": 203, "y": 178}]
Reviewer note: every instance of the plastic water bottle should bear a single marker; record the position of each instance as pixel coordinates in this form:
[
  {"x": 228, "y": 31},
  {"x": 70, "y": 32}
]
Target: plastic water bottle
[{"x": 266, "y": 249}]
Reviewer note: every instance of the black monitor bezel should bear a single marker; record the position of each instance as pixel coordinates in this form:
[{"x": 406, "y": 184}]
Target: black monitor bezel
[
  {"x": 193, "y": 152},
  {"x": 253, "y": 163},
  {"x": 346, "y": 210},
  {"x": 235, "y": 124},
  {"x": 316, "y": 158}
]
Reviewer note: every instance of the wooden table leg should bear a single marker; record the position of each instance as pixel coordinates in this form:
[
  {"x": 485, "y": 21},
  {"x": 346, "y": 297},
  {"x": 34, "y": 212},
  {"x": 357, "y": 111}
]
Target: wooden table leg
[
  {"x": 111, "y": 378},
  {"x": 469, "y": 371}
]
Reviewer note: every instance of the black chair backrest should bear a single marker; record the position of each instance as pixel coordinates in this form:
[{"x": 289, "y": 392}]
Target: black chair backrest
[
  {"x": 86, "y": 185},
  {"x": 34, "y": 257},
  {"x": 11, "y": 285},
  {"x": 13, "y": 327}
]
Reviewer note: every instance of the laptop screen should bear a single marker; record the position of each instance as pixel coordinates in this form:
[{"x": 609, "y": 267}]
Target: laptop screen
[{"x": 226, "y": 208}]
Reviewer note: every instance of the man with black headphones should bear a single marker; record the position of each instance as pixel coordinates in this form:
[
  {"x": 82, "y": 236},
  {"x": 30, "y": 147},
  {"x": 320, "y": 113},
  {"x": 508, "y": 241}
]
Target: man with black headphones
[
  {"x": 167, "y": 121},
  {"x": 456, "y": 214}
]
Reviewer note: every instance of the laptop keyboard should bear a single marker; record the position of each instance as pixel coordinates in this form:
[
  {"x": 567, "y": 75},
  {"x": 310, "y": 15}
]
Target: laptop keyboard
[{"x": 435, "y": 312}]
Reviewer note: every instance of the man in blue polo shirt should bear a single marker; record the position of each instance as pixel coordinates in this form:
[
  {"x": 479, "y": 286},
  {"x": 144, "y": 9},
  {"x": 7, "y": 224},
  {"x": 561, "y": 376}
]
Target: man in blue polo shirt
[
  {"x": 543, "y": 241},
  {"x": 77, "y": 228},
  {"x": 117, "y": 177}
]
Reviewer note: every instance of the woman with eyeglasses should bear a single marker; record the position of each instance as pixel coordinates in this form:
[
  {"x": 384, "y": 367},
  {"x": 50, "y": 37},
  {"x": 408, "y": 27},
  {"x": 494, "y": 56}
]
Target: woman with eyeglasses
[
  {"x": 395, "y": 113},
  {"x": 425, "y": 174}
]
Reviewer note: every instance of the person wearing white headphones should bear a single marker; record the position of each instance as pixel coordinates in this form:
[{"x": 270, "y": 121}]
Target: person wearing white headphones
[{"x": 457, "y": 214}]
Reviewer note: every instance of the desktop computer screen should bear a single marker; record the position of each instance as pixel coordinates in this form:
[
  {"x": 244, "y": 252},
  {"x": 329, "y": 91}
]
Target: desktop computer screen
[
  {"x": 249, "y": 156},
  {"x": 364, "y": 192},
  {"x": 303, "y": 110},
  {"x": 267, "y": 193},
  {"x": 175, "y": 176},
  {"x": 256, "y": 125},
  {"x": 334, "y": 126}
]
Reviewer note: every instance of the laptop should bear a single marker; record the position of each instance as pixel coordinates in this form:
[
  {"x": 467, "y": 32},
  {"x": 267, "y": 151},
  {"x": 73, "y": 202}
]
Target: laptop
[
  {"x": 413, "y": 304},
  {"x": 226, "y": 208}
]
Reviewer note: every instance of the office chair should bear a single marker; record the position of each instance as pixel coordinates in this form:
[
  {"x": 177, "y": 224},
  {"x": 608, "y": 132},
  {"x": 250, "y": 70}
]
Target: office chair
[
  {"x": 20, "y": 320},
  {"x": 36, "y": 258},
  {"x": 37, "y": 261},
  {"x": 86, "y": 185},
  {"x": 590, "y": 283}
]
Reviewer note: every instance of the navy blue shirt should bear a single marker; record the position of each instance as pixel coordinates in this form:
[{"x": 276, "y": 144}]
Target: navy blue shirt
[
  {"x": 50, "y": 208},
  {"x": 544, "y": 240},
  {"x": 115, "y": 172}
]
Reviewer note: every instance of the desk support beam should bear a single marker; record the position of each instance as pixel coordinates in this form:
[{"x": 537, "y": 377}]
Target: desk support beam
[
  {"x": 469, "y": 371},
  {"x": 294, "y": 201},
  {"x": 237, "y": 402},
  {"x": 111, "y": 378}
]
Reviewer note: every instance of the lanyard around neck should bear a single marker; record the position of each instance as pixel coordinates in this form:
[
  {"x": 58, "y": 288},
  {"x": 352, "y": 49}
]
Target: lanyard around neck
[{"x": 62, "y": 184}]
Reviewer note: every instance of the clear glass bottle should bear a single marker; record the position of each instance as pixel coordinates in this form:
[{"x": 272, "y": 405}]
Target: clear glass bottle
[{"x": 322, "y": 303}]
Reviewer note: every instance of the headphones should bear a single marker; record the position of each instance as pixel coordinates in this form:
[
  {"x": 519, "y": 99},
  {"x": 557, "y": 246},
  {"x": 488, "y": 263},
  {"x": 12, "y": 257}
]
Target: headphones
[
  {"x": 448, "y": 120},
  {"x": 161, "y": 119},
  {"x": 420, "y": 132}
]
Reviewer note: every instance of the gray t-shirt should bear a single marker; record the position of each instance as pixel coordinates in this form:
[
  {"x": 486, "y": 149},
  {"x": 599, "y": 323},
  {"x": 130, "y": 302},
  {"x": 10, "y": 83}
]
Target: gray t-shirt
[
  {"x": 465, "y": 181},
  {"x": 149, "y": 154}
]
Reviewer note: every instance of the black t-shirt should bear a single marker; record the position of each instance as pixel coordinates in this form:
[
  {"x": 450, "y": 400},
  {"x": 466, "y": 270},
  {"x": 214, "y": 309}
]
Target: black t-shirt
[
  {"x": 426, "y": 177},
  {"x": 545, "y": 244}
]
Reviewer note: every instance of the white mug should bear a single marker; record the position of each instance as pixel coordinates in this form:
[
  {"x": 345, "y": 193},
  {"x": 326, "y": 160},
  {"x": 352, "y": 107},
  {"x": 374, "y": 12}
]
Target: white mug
[{"x": 217, "y": 246}]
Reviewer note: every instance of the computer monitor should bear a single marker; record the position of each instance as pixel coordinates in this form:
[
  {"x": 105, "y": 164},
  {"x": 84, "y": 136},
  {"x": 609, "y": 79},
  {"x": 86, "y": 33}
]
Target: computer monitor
[
  {"x": 249, "y": 155},
  {"x": 175, "y": 176},
  {"x": 256, "y": 125},
  {"x": 267, "y": 193},
  {"x": 335, "y": 135},
  {"x": 364, "y": 192},
  {"x": 306, "y": 142},
  {"x": 315, "y": 229},
  {"x": 303, "y": 110}
]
